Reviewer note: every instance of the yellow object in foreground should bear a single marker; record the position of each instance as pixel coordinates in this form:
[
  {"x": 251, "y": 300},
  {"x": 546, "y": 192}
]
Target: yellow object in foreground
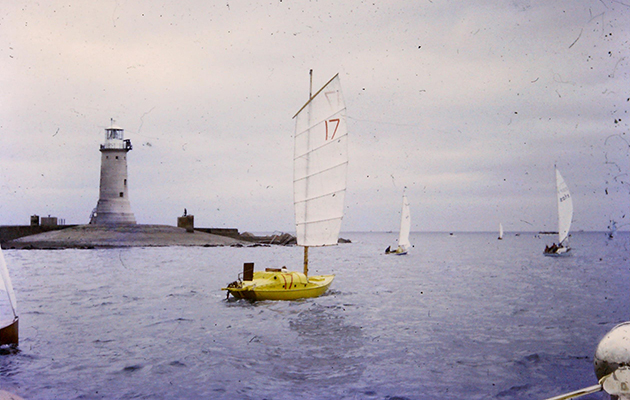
[{"x": 279, "y": 284}]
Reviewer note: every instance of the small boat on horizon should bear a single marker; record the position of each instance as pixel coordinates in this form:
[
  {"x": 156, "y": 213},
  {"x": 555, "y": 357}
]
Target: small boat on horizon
[
  {"x": 612, "y": 229},
  {"x": 320, "y": 166},
  {"x": 500, "y": 231}
]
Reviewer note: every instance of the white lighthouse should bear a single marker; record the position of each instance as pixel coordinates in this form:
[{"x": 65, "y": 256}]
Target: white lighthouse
[{"x": 113, "y": 205}]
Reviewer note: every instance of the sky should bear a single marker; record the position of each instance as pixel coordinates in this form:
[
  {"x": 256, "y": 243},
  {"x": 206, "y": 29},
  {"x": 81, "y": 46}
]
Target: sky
[{"x": 464, "y": 106}]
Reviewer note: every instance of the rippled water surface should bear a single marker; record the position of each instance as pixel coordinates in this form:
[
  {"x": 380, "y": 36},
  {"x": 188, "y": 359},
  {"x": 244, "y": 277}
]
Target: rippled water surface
[{"x": 461, "y": 317}]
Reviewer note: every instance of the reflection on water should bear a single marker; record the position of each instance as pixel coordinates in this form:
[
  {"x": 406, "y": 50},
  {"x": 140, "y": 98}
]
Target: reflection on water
[
  {"x": 494, "y": 319},
  {"x": 329, "y": 348}
]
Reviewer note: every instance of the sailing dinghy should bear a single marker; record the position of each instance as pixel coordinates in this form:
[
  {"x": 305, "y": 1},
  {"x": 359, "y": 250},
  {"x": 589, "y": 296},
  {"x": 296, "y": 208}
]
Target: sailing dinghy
[
  {"x": 8, "y": 311},
  {"x": 565, "y": 215},
  {"x": 320, "y": 166},
  {"x": 405, "y": 227},
  {"x": 500, "y": 231},
  {"x": 612, "y": 229}
]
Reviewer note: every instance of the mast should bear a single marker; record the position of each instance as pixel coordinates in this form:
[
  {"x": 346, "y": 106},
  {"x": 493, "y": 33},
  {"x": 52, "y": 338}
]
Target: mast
[
  {"x": 310, "y": 86},
  {"x": 310, "y": 96}
]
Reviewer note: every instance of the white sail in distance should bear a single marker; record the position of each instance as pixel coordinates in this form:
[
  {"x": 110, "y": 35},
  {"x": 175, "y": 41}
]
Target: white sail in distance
[
  {"x": 320, "y": 166},
  {"x": 565, "y": 208},
  {"x": 8, "y": 307},
  {"x": 500, "y": 230},
  {"x": 405, "y": 225}
]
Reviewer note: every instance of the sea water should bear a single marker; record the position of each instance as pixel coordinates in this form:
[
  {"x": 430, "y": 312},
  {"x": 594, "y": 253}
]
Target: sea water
[{"x": 462, "y": 316}]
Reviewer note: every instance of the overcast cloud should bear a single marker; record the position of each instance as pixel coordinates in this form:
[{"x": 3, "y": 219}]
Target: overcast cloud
[{"x": 466, "y": 104}]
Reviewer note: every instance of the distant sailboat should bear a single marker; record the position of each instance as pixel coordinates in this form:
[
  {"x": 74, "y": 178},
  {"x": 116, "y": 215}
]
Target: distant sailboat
[
  {"x": 405, "y": 227},
  {"x": 565, "y": 215},
  {"x": 612, "y": 229},
  {"x": 8, "y": 311},
  {"x": 319, "y": 188},
  {"x": 500, "y": 231}
]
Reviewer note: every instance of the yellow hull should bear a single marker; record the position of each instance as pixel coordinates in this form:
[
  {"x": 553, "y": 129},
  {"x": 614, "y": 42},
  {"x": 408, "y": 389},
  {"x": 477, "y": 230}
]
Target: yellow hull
[{"x": 280, "y": 285}]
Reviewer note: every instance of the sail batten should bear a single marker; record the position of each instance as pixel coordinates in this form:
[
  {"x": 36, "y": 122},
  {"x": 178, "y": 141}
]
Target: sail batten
[
  {"x": 315, "y": 124},
  {"x": 318, "y": 197},
  {"x": 321, "y": 220},
  {"x": 320, "y": 166},
  {"x": 312, "y": 150},
  {"x": 321, "y": 172}
]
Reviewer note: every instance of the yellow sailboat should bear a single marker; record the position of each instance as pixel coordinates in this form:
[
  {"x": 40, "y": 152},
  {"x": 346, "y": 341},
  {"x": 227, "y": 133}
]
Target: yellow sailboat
[
  {"x": 320, "y": 166},
  {"x": 277, "y": 284}
]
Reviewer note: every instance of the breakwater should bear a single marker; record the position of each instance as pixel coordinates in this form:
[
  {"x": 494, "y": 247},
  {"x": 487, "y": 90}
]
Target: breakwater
[
  {"x": 130, "y": 235},
  {"x": 12, "y": 232}
]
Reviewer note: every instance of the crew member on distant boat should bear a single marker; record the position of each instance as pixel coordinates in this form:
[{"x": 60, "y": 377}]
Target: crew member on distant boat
[
  {"x": 551, "y": 249},
  {"x": 554, "y": 249}
]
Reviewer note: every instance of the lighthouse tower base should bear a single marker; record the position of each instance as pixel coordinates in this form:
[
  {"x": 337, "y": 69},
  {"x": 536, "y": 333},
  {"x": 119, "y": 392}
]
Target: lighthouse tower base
[{"x": 113, "y": 211}]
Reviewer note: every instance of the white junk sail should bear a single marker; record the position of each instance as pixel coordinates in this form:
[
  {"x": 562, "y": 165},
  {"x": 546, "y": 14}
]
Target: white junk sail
[
  {"x": 8, "y": 310},
  {"x": 320, "y": 166},
  {"x": 565, "y": 208},
  {"x": 405, "y": 225}
]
